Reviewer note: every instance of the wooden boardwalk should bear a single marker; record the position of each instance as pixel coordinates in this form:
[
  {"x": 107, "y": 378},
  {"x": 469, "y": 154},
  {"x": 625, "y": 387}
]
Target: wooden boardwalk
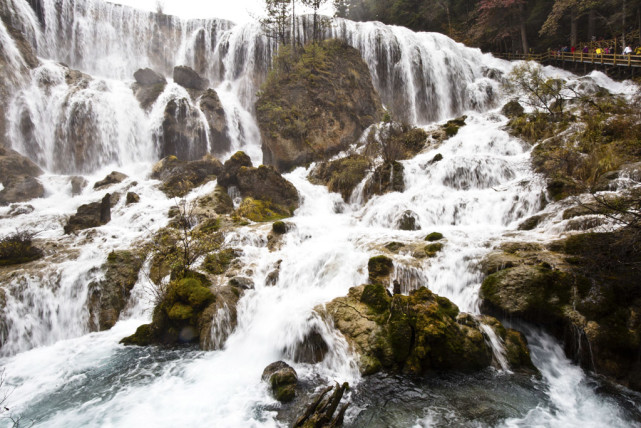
[{"x": 614, "y": 60}]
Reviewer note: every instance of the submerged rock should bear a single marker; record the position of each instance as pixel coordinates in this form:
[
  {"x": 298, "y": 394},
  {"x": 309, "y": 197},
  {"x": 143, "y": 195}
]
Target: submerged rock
[
  {"x": 282, "y": 380},
  {"x": 408, "y": 221},
  {"x": 316, "y": 107}
]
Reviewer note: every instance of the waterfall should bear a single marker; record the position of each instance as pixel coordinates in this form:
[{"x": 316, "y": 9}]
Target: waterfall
[{"x": 83, "y": 118}]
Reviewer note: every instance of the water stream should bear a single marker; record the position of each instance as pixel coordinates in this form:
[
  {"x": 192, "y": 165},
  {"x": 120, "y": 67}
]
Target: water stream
[{"x": 62, "y": 375}]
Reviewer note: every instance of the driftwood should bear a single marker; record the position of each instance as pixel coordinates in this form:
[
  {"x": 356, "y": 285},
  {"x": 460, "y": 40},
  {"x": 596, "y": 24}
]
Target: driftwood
[{"x": 320, "y": 413}]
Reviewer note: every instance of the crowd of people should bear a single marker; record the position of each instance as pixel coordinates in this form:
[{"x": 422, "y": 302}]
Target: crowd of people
[{"x": 599, "y": 50}]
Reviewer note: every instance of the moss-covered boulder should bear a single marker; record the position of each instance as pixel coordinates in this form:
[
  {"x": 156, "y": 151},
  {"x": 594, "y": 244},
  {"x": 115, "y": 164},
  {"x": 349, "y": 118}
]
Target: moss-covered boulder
[
  {"x": 452, "y": 127},
  {"x": 282, "y": 379},
  {"x": 109, "y": 296},
  {"x": 413, "y": 334},
  {"x": 315, "y": 104},
  {"x": 176, "y": 318},
  {"x": 229, "y": 174},
  {"x": 583, "y": 289},
  {"x": 380, "y": 269},
  {"x": 434, "y": 236},
  {"x": 341, "y": 175},
  {"x": 408, "y": 220},
  {"x": 512, "y": 109},
  {"x": 218, "y": 263},
  {"x": 180, "y": 177}
]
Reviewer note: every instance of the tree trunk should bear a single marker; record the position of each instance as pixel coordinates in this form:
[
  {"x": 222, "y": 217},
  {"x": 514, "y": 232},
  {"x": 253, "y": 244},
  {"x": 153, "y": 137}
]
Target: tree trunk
[
  {"x": 591, "y": 24},
  {"x": 524, "y": 43},
  {"x": 573, "y": 28},
  {"x": 624, "y": 11}
]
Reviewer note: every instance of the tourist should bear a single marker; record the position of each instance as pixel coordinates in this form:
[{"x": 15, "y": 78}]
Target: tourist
[
  {"x": 586, "y": 50},
  {"x": 573, "y": 49},
  {"x": 627, "y": 50},
  {"x": 637, "y": 51},
  {"x": 599, "y": 51}
]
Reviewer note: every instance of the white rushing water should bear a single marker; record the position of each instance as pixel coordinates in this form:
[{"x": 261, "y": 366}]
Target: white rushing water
[{"x": 64, "y": 376}]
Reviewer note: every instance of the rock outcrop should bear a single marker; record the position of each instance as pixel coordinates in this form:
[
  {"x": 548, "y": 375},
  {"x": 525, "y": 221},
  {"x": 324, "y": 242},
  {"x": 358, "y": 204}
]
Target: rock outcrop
[
  {"x": 180, "y": 177},
  {"x": 183, "y": 134},
  {"x": 188, "y": 78},
  {"x": 109, "y": 296},
  {"x": 317, "y": 106},
  {"x": 148, "y": 87},
  {"x": 213, "y": 110},
  {"x": 113, "y": 177},
  {"x": 583, "y": 289},
  {"x": 91, "y": 215},
  {"x": 414, "y": 333},
  {"x": 18, "y": 177},
  {"x": 342, "y": 175}
]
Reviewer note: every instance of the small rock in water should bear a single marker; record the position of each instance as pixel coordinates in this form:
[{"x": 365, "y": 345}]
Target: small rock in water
[
  {"x": 408, "y": 221},
  {"x": 77, "y": 185},
  {"x": 283, "y": 380},
  {"x": 242, "y": 282},
  {"x": 113, "y": 178},
  {"x": 132, "y": 198}
]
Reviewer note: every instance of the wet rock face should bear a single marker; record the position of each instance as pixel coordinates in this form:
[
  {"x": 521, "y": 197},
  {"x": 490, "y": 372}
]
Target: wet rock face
[
  {"x": 341, "y": 175},
  {"x": 183, "y": 133},
  {"x": 311, "y": 114},
  {"x": 149, "y": 77},
  {"x": 282, "y": 379},
  {"x": 581, "y": 289},
  {"x": 188, "y": 78},
  {"x": 213, "y": 110},
  {"x": 180, "y": 177},
  {"x": 108, "y": 297},
  {"x": 114, "y": 177},
  {"x": 90, "y": 215},
  {"x": 386, "y": 178},
  {"x": 17, "y": 175}
]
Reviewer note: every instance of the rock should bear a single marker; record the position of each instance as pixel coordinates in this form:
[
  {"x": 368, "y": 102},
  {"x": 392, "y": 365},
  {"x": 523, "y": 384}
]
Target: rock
[
  {"x": 17, "y": 175},
  {"x": 266, "y": 184},
  {"x": 219, "y": 320},
  {"x": 432, "y": 249},
  {"x": 218, "y": 263},
  {"x": 222, "y": 201},
  {"x": 132, "y": 198},
  {"x": 113, "y": 178},
  {"x": 584, "y": 291},
  {"x": 452, "y": 127},
  {"x": 341, "y": 175},
  {"x": 90, "y": 215},
  {"x": 380, "y": 269},
  {"x": 180, "y": 177},
  {"x": 261, "y": 211},
  {"x": 311, "y": 349},
  {"x": 386, "y": 178},
  {"x": 408, "y": 221},
  {"x": 19, "y": 209},
  {"x": 280, "y": 228},
  {"x": 229, "y": 173},
  {"x": 317, "y": 107},
  {"x": 178, "y": 316},
  {"x": 434, "y": 236},
  {"x": 282, "y": 379},
  {"x": 188, "y": 78},
  {"x": 149, "y": 77},
  {"x": 77, "y": 185},
  {"x": 183, "y": 133},
  {"x": 213, "y": 110},
  {"x": 414, "y": 333},
  {"x": 512, "y": 109},
  {"x": 148, "y": 95},
  {"x": 20, "y": 188},
  {"x": 108, "y": 297},
  {"x": 242, "y": 283},
  {"x": 532, "y": 222},
  {"x": 18, "y": 248}
]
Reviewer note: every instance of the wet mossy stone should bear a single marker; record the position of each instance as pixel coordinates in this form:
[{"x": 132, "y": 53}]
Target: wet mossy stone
[
  {"x": 279, "y": 228},
  {"x": 408, "y": 221},
  {"x": 376, "y": 297},
  {"x": 341, "y": 175},
  {"x": 434, "y": 236},
  {"x": 262, "y": 211},
  {"x": 282, "y": 379},
  {"x": 379, "y": 268},
  {"x": 218, "y": 263},
  {"x": 512, "y": 109},
  {"x": 437, "y": 158},
  {"x": 452, "y": 127},
  {"x": 432, "y": 249},
  {"x": 142, "y": 337}
]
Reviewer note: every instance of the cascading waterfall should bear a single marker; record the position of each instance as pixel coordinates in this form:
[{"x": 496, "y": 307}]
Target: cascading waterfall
[{"x": 65, "y": 376}]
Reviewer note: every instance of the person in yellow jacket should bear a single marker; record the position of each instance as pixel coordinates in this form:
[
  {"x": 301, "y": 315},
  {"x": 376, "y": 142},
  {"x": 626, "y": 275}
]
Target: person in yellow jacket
[
  {"x": 599, "y": 51},
  {"x": 637, "y": 51}
]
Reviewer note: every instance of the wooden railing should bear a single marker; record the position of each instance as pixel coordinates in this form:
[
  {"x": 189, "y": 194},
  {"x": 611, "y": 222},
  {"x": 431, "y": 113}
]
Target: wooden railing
[{"x": 579, "y": 57}]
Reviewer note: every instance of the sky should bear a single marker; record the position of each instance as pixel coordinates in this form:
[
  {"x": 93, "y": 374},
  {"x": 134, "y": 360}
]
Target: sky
[{"x": 238, "y": 11}]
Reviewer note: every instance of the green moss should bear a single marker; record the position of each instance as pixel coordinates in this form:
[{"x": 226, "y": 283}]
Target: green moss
[
  {"x": 262, "y": 211},
  {"x": 452, "y": 127},
  {"x": 379, "y": 267},
  {"x": 210, "y": 225},
  {"x": 142, "y": 336},
  {"x": 394, "y": 246},
  {"x": 446, "y": 307},
  {"x": 434, "y": 236},
  {"x": 279, "y": 228},
  {"x": 376, "y": 297},
  {"x": 218, "y": 263},
  {"x": 432, "y": 249},
  {"x": 180, "y": 312},
  {"x": 190, "y": 291},
  {"x": 342, "y": 175}
]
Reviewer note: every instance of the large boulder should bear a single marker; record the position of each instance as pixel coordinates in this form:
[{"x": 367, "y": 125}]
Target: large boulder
[
  {"x": 109, "y": 296},
  {"x": 148, "y": 87},
  {"x": 229, "y": 173},
  {"x": 583, "y": 289},
  {"x": 188, "y": 78},
  {"x": 17, "y": 175},
  {"x": 180, "y": 177},
  {"x": 282, "y": 379},
  {"x": 213, "y": 110},
  {"x": 113, "y": 177},
  {"x": 149, "y": 77},
  {"x": 341, "y": 175},
  {"x": 91, "y": 215},
  {"x": 183, "y": 133},
  {"x": 316, "y": 105}
]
